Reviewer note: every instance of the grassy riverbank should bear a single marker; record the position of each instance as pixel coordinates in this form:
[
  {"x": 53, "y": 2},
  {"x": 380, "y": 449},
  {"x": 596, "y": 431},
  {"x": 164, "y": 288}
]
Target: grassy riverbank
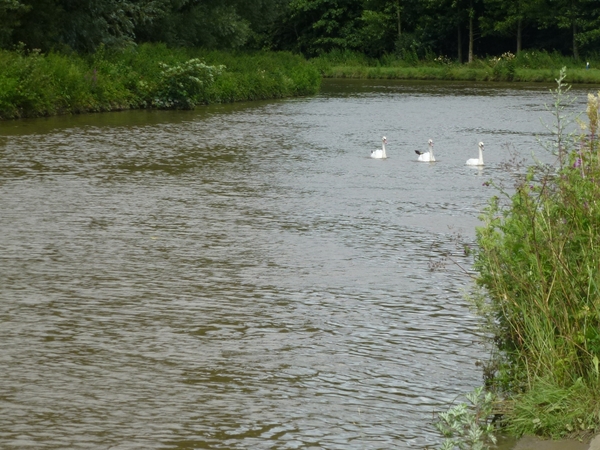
[
  {"x": 538, "y": 260},
  {"x": 532, "y": 66},
  {"x": 154, "y": 76},
  {"x": 149, "y": 76}
]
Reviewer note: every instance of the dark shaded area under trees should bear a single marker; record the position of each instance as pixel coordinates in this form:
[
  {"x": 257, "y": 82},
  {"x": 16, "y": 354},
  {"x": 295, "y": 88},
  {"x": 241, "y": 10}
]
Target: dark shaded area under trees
[{"x": 459, "y": 29}]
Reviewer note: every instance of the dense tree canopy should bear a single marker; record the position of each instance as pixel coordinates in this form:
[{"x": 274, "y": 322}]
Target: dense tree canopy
[{"x": 455, "y": 28}]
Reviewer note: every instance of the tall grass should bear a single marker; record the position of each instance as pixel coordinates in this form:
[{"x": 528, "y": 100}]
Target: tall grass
[
  {"x": 149, "y": 76},
  {"x": 538, "y": 260},
  {"x": 555, "y": 411}
]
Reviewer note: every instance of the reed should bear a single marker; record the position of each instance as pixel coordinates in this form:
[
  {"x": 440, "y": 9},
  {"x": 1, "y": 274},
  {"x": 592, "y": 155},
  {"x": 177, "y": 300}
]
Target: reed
[{"x": 538, "y": 260}]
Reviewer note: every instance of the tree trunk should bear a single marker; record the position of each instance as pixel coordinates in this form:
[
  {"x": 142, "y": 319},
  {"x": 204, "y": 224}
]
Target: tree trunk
[
  {"x": 398, "y": 16},
  {"x": 471, "y": 14},
  {"x": 460, "y": 55},
  {"x": 519, "y": 35},
  {"x": 575, "y": 47}
]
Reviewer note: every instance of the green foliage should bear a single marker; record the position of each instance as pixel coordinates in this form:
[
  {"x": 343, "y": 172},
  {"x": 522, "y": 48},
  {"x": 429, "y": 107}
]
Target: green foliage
[
  {"x": 555, "y": 411},
  {"x": 85, "y": 25},
  {"x": 507, "y": 67},
  {"x": 10, "y": 12},
  {"x": 538, "y": 261},
  {"x": 375, "y": 30},
  {"x": 540, "y": 59},
  {"x": 184, "y": 85},
  {"x": 314, "y": 27},
  {"x": 311, "y": 27},
  {"x": 262, "y": 75},
  {"x": 209, "y": 24},
  {"x": 468, "y": 426},
  {"x": 409, "y": 48},
  {"x": 504, "y": 67},
  {"x": 33, "y": 84}
]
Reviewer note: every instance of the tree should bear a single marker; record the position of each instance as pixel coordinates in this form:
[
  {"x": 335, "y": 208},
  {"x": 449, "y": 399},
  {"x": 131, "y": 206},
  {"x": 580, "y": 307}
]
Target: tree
[
  {"x": 466, "y": 8},
  {"x": 508, "y": 17},
  {"x": 10, "y": 14},
  {"x": 215, "y": 23},
  {"x": 380, "y": 28},
  {"x": 82, "y": 25},
  {"x": 313, "y": 27},
  {"x": 209, "y": 24},
  {"x": 580, "y": 17},
  {"x": 587, "y": 32},
  {"x": 458, "y": 12},
  {"x": 471, "y": 34}
]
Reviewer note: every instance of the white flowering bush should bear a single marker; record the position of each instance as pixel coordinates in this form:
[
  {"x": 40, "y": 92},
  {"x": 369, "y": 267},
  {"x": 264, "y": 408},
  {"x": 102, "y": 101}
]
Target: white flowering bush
[
  {"x": 443, "y": 60},
  {"x": 184, "y": 85}
]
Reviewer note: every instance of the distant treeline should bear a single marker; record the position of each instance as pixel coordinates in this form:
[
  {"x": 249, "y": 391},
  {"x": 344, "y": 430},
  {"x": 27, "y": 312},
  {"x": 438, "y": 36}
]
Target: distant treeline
[{"x": 459, "y": 29}]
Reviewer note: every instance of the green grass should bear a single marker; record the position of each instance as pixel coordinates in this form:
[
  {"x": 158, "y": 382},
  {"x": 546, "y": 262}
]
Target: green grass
[
  {"x": 528, "y": 66},
  {"x": 555, "y": 411},
  {"x": 461, "y": 73}
]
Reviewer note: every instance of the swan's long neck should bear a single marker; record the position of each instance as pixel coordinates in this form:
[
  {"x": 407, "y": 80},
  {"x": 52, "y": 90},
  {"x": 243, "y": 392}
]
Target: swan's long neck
[
  {"x": 480, "y": 155},
  {"x": 383, "y": 148},
  {"x": 429, "y": 154}
]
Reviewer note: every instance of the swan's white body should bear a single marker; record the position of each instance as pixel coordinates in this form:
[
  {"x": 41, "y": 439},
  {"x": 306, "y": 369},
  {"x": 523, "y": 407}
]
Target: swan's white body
[
  {"x": 477, "y": 161},
  {"x": 380, "y": 154},
  {"x": 426, "y": 156}
]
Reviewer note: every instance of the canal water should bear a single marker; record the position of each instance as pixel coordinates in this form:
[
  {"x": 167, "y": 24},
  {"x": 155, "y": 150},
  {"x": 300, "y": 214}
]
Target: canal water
[{"x": 245, "y": 276}]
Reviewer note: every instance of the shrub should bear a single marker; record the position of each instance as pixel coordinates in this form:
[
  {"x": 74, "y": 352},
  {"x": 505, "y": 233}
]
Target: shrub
[{"x": 184, "y": 85}]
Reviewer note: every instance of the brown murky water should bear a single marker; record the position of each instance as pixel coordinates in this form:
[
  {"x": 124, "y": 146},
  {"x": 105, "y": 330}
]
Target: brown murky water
[{"x": 245, "y": 276}]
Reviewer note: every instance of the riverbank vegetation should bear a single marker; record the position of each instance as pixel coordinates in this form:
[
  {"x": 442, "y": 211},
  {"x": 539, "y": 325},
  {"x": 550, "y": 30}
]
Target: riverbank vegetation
[
  {"x": 61, "y": 56},
  {"x": 538, "y": 263},
  {"x": 33, "y": 84},
  {"x": 527, "y": 66}
]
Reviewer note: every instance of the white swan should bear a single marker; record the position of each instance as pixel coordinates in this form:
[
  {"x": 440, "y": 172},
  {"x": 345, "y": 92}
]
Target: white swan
[
  {"x": 426, "y": 156},
  {"x": 380, "y": 154},
  {"x": 477, "y": 161}
]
